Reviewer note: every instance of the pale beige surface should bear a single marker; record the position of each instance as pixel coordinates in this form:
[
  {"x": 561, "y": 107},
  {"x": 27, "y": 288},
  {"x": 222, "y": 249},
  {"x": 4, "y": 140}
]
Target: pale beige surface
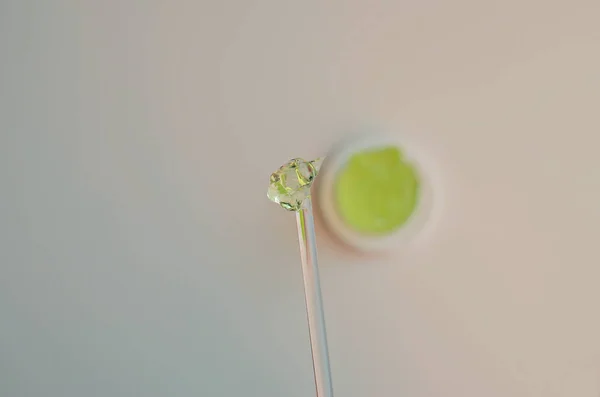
[{"x": 129, "y": 266}]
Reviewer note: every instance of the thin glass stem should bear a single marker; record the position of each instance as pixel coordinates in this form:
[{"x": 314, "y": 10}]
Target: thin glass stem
[{"x": 314, "y": 301}]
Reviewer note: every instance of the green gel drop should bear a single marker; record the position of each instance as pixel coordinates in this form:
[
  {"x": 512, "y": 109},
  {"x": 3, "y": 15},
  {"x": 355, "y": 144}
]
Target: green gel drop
[
  {"x": 377, "y": 191},
  {"x": 290, "y": 185}
]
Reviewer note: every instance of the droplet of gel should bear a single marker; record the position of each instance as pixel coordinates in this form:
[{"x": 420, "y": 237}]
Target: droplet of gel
[{"x": 290, "y": 185}]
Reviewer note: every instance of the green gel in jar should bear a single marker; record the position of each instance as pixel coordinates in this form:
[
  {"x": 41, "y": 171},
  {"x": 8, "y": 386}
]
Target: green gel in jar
[{"x": 376, "y": 191}]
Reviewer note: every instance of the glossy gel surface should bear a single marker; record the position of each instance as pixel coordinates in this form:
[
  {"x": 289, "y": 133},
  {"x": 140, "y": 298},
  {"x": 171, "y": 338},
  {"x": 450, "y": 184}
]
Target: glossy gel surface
[{"x": 376, "y": 192}]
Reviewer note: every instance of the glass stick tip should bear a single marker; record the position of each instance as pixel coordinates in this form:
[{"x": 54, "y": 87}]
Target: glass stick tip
[{"x": 289, "y": 186}]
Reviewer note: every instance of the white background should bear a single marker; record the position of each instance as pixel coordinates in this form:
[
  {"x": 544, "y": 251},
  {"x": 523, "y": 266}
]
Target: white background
[{"x": 139, "y": 255}]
